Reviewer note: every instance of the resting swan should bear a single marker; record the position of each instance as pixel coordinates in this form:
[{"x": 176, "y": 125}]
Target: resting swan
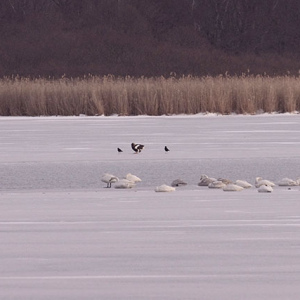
[
  {"x": 243, "y": 183},
  {"x": 259, "y": 181},
  {"x": 216, "y": 185},
  {"x": 133, "y": 178},
  {"x": 232, "y": 188},
  {"x": 124, "y": 184},
  {"x": 265, "y": 189},
  {"x": 164, "y": 188},
  {"x": 205, "y": 180},
  {"x": 225, "y": 180},
  {"x": 178, "y": 182},
  {"x": 288, "y": 182}
]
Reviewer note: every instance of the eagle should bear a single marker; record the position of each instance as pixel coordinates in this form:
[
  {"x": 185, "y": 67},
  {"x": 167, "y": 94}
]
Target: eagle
[{"x": 137, "y": 147}]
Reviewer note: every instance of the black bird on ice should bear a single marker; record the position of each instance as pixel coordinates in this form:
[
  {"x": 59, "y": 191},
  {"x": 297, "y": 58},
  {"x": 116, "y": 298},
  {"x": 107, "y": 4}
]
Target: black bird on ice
[
  {"x": 120, "y": 150},
  {"x": 167, "y": 149},
  {"x": 137, "y": 147}
]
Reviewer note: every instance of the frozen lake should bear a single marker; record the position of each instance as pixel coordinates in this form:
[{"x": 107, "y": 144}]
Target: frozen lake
[{"x": 64, "y": 236}]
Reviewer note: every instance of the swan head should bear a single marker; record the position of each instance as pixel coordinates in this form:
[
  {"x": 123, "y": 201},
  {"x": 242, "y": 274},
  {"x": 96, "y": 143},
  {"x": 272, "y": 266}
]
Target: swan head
[{"x": 257, "y": 179}]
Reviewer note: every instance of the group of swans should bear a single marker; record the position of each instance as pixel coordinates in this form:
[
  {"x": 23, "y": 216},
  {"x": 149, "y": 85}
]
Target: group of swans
[
  {"x": 128, "y": 182},
  {"x": 266, "y": 186},
  {"x": 223, "y": 183},
  {"x": 262, "y": 185}
]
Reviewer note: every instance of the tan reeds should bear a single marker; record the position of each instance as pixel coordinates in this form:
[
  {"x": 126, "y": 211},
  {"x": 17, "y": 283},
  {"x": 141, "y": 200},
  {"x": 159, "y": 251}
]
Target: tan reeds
[{"x": 110, "y": 95}]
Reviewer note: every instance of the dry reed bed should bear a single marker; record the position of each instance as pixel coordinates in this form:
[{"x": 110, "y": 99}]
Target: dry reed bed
[{"x": 149, "y": 96}]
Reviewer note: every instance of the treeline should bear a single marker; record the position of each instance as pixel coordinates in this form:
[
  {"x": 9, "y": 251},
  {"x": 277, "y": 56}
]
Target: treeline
[{"x": 148, "y": 37}]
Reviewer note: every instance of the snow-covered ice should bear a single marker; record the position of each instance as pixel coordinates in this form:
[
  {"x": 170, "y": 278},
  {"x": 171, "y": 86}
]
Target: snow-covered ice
[{"x": 64, "y": 235}]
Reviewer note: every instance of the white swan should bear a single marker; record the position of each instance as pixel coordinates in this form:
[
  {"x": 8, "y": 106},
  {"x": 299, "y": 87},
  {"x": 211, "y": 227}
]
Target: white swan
[
  {"x": 287, "y": 182},
  {"x": 259, "y": 181},
  {"x": 232, "y": 188},
  {"x": 265, "y": 189},
  {"x": 243, "y": 183},
  {"x": 178, "y": 182},
  {"x": 124, "y": 184},
  {"x": 132, "y": 178},
  {"x": 205, "y": 180},
  {"x": 109, "y": 179},
  {"x": 164, "y": 188},
  {"x": 216, "y": 185}
]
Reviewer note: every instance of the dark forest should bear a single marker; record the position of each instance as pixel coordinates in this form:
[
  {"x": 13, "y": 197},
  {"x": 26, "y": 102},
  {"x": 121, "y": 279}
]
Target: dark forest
[{"x": 54, "y": 38}]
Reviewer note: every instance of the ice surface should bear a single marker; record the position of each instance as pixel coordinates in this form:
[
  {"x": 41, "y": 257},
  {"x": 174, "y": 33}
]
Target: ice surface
[{"x": 65, "y": 236}]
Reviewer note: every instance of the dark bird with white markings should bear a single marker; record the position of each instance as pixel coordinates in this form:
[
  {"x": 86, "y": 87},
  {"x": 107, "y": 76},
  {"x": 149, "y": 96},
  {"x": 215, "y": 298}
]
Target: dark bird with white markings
[
  {"x": 167, "y": 149},
  {"x": 120, "y": 150},
  {"x": 137, "y": 147}
]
